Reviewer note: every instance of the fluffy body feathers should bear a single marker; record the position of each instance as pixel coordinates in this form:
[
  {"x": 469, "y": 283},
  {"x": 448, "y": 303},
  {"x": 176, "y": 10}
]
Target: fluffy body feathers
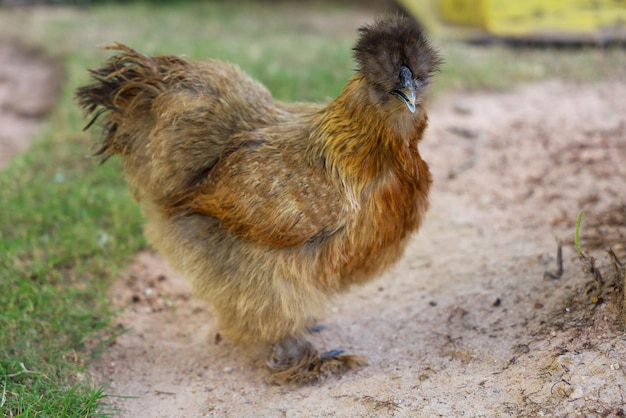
[{"x": 271, "y": 208}]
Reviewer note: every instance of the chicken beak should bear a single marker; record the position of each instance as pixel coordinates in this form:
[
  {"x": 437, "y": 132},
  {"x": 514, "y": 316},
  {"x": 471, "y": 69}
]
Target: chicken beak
[
  {"x": 408, "y": 96},
  {"x": 408, "y": 88}
]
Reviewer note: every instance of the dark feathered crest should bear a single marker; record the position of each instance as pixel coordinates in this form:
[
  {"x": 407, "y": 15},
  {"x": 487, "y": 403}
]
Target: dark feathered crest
[{"x": 392, "y": 41}]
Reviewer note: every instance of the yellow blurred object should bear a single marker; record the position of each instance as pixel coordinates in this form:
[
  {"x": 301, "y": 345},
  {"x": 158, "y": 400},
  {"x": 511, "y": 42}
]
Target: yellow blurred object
[{"x": 557, "y": 19}]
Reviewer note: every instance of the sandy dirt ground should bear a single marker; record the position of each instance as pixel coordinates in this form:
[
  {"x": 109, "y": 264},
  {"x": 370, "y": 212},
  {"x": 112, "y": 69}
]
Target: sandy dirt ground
[
  {"x": 29, "y": 86},
  {"x": 467, "y": 324}
]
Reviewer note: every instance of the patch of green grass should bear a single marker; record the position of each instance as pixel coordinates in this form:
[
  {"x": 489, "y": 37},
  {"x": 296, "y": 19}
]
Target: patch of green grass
[
  {"x": 65, "y": 229},
  {"x": 68, "y": 226}
]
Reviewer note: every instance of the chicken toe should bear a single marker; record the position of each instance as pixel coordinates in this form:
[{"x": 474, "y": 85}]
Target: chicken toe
[
  {"x": 316, "y": 328},
  {"x": 295, "y": 361}
]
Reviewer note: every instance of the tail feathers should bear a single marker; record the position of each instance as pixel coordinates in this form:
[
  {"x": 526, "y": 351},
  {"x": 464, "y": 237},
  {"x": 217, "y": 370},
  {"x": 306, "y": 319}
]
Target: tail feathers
[{"x": 124, "y": 89}]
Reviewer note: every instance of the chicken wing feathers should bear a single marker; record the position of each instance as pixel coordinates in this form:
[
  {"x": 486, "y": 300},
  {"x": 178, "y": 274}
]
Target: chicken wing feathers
[{"x": 262, "y": 192}]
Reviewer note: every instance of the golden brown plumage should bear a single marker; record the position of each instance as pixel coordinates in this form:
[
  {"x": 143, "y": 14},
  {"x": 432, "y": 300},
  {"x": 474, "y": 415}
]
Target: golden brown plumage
[{"x": 271, "y": 208}]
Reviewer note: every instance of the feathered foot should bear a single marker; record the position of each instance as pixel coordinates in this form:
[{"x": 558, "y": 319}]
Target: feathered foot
[{"x": 295, "y": 361}]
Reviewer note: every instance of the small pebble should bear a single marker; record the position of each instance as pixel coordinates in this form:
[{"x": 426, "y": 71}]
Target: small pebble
[{"x": 577, "y": 393}]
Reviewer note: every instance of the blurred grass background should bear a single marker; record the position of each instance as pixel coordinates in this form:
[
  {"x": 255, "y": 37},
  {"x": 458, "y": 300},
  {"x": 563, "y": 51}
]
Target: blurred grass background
[{"x": 68, "y": 227}]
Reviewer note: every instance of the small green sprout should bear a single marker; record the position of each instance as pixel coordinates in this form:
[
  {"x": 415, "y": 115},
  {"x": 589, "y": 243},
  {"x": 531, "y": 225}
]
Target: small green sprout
[{"x": 576, "y": 239}]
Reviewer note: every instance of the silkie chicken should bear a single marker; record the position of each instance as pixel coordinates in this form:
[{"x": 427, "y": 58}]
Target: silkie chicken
[{"x": 271, "y": 208}]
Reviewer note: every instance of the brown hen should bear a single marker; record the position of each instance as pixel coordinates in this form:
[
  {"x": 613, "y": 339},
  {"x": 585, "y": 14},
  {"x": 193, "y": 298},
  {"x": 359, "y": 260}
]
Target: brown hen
[{"x": 270, "y": 208}]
